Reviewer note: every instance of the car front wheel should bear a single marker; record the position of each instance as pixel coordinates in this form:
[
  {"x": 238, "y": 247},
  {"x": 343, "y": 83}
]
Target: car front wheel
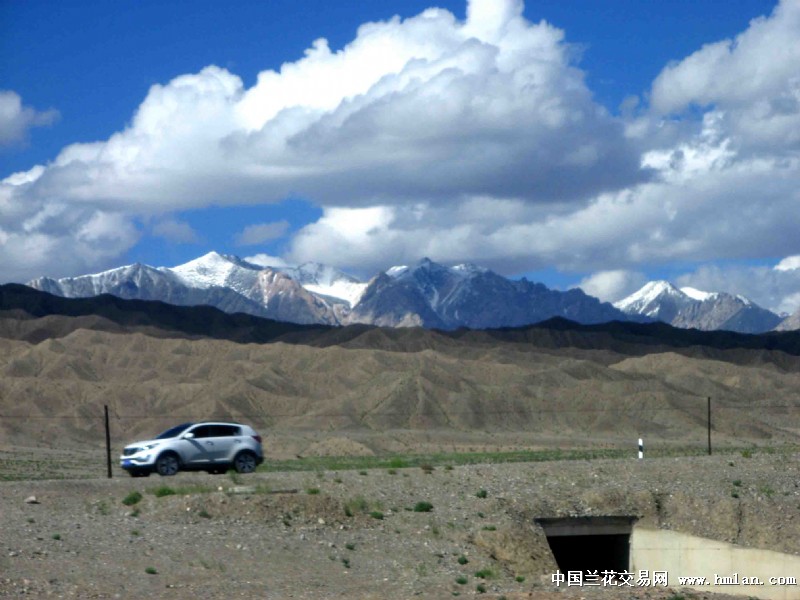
[
  {"x": 245, "y": 462},
  {"x": 167, "y": 464}
]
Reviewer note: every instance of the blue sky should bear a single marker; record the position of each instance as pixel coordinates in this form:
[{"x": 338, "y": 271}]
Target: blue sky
[{"x": 617, "y": 142}]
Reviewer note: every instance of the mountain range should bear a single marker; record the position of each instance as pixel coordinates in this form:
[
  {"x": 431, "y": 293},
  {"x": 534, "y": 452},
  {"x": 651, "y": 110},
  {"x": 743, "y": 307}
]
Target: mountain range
[
  {"x": 426, "y": 294},
  {"x": 691, "y": 308}
]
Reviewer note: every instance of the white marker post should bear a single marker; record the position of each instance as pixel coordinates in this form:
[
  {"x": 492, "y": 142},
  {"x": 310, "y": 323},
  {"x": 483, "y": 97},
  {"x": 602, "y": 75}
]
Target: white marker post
[{"x": 641, "y": 449}]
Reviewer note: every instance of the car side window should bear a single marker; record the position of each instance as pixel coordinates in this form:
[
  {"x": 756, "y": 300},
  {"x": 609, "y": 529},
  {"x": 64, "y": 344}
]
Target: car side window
[
  {"x": 225, "y": 430},
  {"x": 203, "y": 431}
]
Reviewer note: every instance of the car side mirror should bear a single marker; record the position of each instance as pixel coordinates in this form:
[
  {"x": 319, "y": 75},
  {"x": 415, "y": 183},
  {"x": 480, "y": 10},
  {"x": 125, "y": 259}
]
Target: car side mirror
[{"x": 188, "y": 436}]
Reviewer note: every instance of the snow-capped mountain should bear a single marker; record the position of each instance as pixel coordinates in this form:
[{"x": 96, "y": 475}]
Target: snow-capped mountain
[
  {"x": 426, "y": 294},
  {"x": 691, "y": 308},
  {"x": 432, "y": 295},
  {"x": 658, "y": 300},
  {"x": 226, "y": 282}
]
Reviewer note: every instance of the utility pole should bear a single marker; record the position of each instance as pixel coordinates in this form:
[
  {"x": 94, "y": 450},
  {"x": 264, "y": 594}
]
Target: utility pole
[
  {"x": 108, "y": 442},
  {"x": 709, "y": 425}
]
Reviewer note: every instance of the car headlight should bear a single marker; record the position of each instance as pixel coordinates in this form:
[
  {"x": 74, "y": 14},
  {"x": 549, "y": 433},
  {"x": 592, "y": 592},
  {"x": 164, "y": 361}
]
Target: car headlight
[{"x": 149, "y": 447}]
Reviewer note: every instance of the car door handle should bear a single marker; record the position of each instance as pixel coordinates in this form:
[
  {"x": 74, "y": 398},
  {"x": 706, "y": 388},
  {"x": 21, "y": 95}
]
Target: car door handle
[{"x": 209, "y": 443}]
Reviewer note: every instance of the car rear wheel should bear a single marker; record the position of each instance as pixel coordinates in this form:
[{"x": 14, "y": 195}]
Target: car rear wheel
[
  {"x": 245, "y": 462},
  {"x": 167, "y": 464}
]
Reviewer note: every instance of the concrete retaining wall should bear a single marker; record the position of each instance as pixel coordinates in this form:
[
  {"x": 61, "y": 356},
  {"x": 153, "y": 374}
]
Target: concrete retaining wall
[{"x": 682, "y": 555}]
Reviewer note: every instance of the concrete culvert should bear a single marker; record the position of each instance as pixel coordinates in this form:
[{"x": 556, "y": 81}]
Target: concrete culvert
[{"x": 589, "y": 544}]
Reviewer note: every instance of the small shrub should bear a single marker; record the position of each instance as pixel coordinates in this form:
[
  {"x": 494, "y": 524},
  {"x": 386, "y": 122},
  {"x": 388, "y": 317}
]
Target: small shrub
[
  {"x": 461, "y": 580},
  {"x": 358, "y": 504},
  {"x": 103, "y": 508},
  {"x": 490, "y": 528},
  {"x": 767, "y": 491},
  {"x": 350, "y": 546},
  {"x": 481, "y": 588},
  {"x": 337, "y": 480},
  {"x": 462, "y": 560},
  {"x": 135, "y": 513},
  {"x": 392, "y": 471},
  {"x": 448, "y": 467},
  {"x": 397, "y": 463},
  {"x": 737, "y": 482},
  {"x": 56, "y": 536},
  {"x": 747, "y": 454},
  {"x": 482, "y": 494},
  {"x": 423, "y": 507},
  {"x": 426, "y": 468},
  {"x": 134, "y": 532},
  {"x": 346, "y": 563},
  {"x": 376, "y": 514},
  {"x": 485, "y": 574},
  {"x": 312, "y": 491},
  {"x": 132, "y": 498},
  {"x": 362, "y": 472},
  {"x": 481, "y": 515},
  {"x": 520, "y": 579},
  {"x": 734, "y": 494},
  {"x": 163, "y": 491},
  {"x": 151, "y": 571},
  {"x": 31, "y": 520},
  {"x": 204, "y": 513}
]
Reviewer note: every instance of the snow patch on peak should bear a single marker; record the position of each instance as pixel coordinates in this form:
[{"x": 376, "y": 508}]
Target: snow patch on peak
[
  {"x": 395, "y": 272},
  {"x": 647, "y": 294},
  {"x": 217, "y": 270},
  {"x": 325, "y": 280},
  {"x": 469, "y": 269},
  {"x": 696, "y": 294}
]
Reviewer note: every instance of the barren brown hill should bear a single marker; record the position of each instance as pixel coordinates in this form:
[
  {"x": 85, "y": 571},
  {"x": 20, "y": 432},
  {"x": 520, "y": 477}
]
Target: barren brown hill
[{"x": 458, "y": 396}]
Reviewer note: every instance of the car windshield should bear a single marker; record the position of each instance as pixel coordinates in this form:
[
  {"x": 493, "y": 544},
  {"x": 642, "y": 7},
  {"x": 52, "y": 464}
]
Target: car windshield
[{"x": 174, "y": 431}]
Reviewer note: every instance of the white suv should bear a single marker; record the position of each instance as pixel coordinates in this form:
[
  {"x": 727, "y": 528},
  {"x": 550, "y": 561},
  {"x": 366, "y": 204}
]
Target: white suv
[{"x": 212, "y": 447}]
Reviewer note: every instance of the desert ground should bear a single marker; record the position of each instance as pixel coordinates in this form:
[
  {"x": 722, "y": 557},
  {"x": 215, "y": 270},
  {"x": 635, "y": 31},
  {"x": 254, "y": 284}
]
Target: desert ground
[{"x": 356, "y": 533}]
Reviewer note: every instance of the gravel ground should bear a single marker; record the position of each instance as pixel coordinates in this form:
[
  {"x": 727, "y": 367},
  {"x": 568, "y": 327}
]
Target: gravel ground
[{"x": 319, "y": 535}]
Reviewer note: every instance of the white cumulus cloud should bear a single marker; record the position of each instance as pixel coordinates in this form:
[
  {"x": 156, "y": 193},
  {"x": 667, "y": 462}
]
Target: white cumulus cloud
[
  {"x": 428, "y": 109},
  {"x": 256, "y": 234},
  {"x": 265, "y": 260},
  {"x": 16, "y": 119},
  {"x": 176, "y": 231},
  {"x": 610, "y": 286}
]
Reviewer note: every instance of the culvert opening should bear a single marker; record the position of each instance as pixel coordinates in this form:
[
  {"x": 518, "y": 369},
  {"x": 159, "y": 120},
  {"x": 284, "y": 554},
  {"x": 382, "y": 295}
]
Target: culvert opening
[{"x": 590, "y": 544}]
